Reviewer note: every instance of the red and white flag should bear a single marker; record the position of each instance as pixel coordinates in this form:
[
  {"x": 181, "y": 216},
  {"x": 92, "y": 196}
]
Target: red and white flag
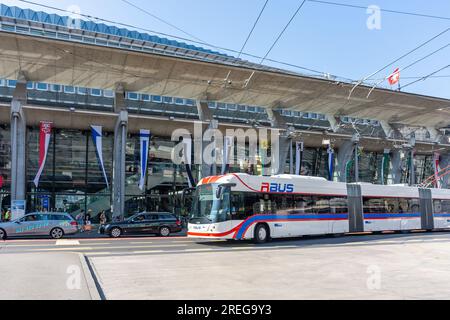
[
  {"x": 44, "y": 142},
  {"x": 394, "y": 77}
]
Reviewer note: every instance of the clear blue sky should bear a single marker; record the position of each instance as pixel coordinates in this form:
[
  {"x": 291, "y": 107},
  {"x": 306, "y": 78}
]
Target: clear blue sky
[{"x": 322, "y": 37}]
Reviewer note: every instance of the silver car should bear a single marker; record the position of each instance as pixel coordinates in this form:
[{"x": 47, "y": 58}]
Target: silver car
[{"x": 52, "y": 224}]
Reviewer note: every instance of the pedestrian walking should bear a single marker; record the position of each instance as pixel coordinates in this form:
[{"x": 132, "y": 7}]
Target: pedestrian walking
[
  {"x": 103, "y": 218},
  {"x": 80, "y": 220},
  {"x": 87, "y": 221}
]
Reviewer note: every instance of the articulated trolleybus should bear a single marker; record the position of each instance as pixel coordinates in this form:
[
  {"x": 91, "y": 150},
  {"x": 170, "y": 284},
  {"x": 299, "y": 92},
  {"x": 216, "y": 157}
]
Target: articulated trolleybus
[{"x": 241, "y": 206}]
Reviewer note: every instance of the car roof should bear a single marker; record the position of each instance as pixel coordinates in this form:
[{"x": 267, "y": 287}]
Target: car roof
[{"x": 54, "y": 213}]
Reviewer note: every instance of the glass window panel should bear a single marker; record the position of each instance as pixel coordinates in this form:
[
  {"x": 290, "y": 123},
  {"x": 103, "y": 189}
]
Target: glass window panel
[
  {"x": 70, "y": 161},
  {"x": 168, "y": 100},
  {"x": 32, "y": 150},
  {"x": 5, "y": 158},
  {"x": 132, "y": 165},
  {"x": 95, "y": 178},
  {"x": 96, "y": 92},
  {"x": 108, "y": 93},
  {"x": 132, "y": 96},
  {"x": 156, "y": 99},
  {"x": 445, "y": 206},
  {"x": 41, "y": 86},
  {"x": 437, "y": 206},
  {"x": 69, "y": 89}
]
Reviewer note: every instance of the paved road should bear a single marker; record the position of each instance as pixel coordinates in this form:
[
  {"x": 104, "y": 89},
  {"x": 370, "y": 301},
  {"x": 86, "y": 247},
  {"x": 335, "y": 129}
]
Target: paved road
[{"x": 411, "y": 266}]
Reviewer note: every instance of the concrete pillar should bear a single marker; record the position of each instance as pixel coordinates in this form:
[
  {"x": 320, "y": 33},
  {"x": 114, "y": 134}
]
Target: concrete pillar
[
  {"x": 396, "y": 167},
  {"x": 344, "y": 155},
  {"x": 207, "y": 169},
  {"x": 120, "y": 140},
  {"x": 276, "y": 119},
  {"x": 18, "y": 142},
  {"x": 280, "y": 154},
  {"x": 204, "y": 113}
]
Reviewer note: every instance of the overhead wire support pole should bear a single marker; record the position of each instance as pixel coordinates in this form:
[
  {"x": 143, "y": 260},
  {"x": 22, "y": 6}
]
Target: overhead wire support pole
[{"x": 396, "y": 60}]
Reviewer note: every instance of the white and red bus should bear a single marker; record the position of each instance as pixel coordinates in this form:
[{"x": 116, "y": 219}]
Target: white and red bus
[{"x": 241, "y": 206}]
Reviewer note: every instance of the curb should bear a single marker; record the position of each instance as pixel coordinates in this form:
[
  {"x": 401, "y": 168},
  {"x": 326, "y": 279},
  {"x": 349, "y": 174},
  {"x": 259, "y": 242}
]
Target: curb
[{"x": 92, "y": 283}]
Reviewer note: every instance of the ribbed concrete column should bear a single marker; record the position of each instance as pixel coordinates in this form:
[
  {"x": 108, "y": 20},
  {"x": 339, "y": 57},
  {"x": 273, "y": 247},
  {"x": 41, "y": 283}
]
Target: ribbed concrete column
[
  {"x": 279, "y": 160},
  {"x": 280, "y": 153},
  {"x": 120, "y": 141},
  {"x": 396, "y": 167},
  {"x": 344, "y": 155},
  {"x": 208, "y": 169},
  {"x": 18, "y": 142}
]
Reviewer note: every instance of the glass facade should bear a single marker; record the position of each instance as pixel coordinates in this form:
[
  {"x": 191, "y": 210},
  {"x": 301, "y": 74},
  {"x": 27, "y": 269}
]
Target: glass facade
[
  {"x": 5, "y": 166},
  {"x": 73, "y": 180}
]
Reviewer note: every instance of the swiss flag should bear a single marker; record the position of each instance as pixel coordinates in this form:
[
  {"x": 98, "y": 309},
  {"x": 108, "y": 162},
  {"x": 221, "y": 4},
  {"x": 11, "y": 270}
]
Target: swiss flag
[
  {"x": 1, "y": 181},
  {"x": 394, "y": 77}
]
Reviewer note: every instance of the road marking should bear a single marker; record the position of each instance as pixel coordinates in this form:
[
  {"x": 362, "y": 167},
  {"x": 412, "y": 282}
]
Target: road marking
[
  {"x": 149, "y": 251},
  {"x": 77, "y": 249},
  {"x": 200, "y": 249},
  {"x": 64, "y": 249},
  {"x": 66, "y": 242}
]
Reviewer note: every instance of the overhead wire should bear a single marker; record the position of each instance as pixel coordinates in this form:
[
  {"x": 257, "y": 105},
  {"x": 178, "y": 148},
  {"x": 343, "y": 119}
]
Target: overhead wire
[{"x": 381, "y": 9}]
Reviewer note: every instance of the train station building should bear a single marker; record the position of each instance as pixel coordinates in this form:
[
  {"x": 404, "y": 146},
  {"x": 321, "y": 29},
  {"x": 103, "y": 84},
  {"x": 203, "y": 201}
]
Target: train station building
[{"x": 80, "y": 76}]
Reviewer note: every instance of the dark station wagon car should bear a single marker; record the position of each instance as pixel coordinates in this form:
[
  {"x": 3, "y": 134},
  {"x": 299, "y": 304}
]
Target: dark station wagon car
[{"x": 160, "y": 223}]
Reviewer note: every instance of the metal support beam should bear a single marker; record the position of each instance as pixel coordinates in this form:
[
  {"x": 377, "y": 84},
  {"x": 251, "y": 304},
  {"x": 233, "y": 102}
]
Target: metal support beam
[
  {"x": 18, "y": 141},
  {"x": 118, "y": 183}
]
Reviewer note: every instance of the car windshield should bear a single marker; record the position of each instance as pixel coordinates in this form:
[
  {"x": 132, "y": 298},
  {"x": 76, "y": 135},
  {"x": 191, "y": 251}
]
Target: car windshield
[{"x": 207, "y": 208}]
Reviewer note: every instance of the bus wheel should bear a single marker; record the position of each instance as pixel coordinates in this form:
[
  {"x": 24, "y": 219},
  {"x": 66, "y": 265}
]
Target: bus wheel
[{"x": 261, "y": 233}]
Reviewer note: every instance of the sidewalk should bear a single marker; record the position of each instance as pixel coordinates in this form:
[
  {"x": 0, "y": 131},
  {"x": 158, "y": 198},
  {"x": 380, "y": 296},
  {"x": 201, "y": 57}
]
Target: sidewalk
[{"x": 46, "y": 276}]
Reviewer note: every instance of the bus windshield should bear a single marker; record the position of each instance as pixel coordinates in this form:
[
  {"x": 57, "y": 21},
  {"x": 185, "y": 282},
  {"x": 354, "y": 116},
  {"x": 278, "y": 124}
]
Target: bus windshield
[{"x": 207, "y": 208}]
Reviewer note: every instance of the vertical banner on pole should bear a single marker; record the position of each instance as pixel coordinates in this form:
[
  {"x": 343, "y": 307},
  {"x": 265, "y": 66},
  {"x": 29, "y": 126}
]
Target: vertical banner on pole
[
  {"x": 299, "y": 148},
  {"x": 437, "y": 169},
  {"x": 384, "y": 165},
  {"x": 97, "y": 137},
  {"x": 45, "y": 134},
  {"x": 187, "y": 152},
  {"x": 144, "y": 137},
  {"x": 330, "y": 152},
  {"x": 227, "y": 145}
]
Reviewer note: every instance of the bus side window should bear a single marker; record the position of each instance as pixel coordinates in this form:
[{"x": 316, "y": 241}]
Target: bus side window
[{"x": 437, "y": 205}]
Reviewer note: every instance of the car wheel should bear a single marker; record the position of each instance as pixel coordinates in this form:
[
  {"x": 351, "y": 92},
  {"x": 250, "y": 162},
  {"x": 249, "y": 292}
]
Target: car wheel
[
  {"x": 57, "y": 233},
  {"x": 261, "y": 234},
  {"x": 164, "y": 231},
  {"x": 2, "y": 234},
  {"x": 116, "y": 232}
]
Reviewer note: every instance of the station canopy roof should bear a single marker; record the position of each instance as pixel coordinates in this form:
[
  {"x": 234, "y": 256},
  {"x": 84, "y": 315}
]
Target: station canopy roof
[{"x": 47, "y": 52}]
